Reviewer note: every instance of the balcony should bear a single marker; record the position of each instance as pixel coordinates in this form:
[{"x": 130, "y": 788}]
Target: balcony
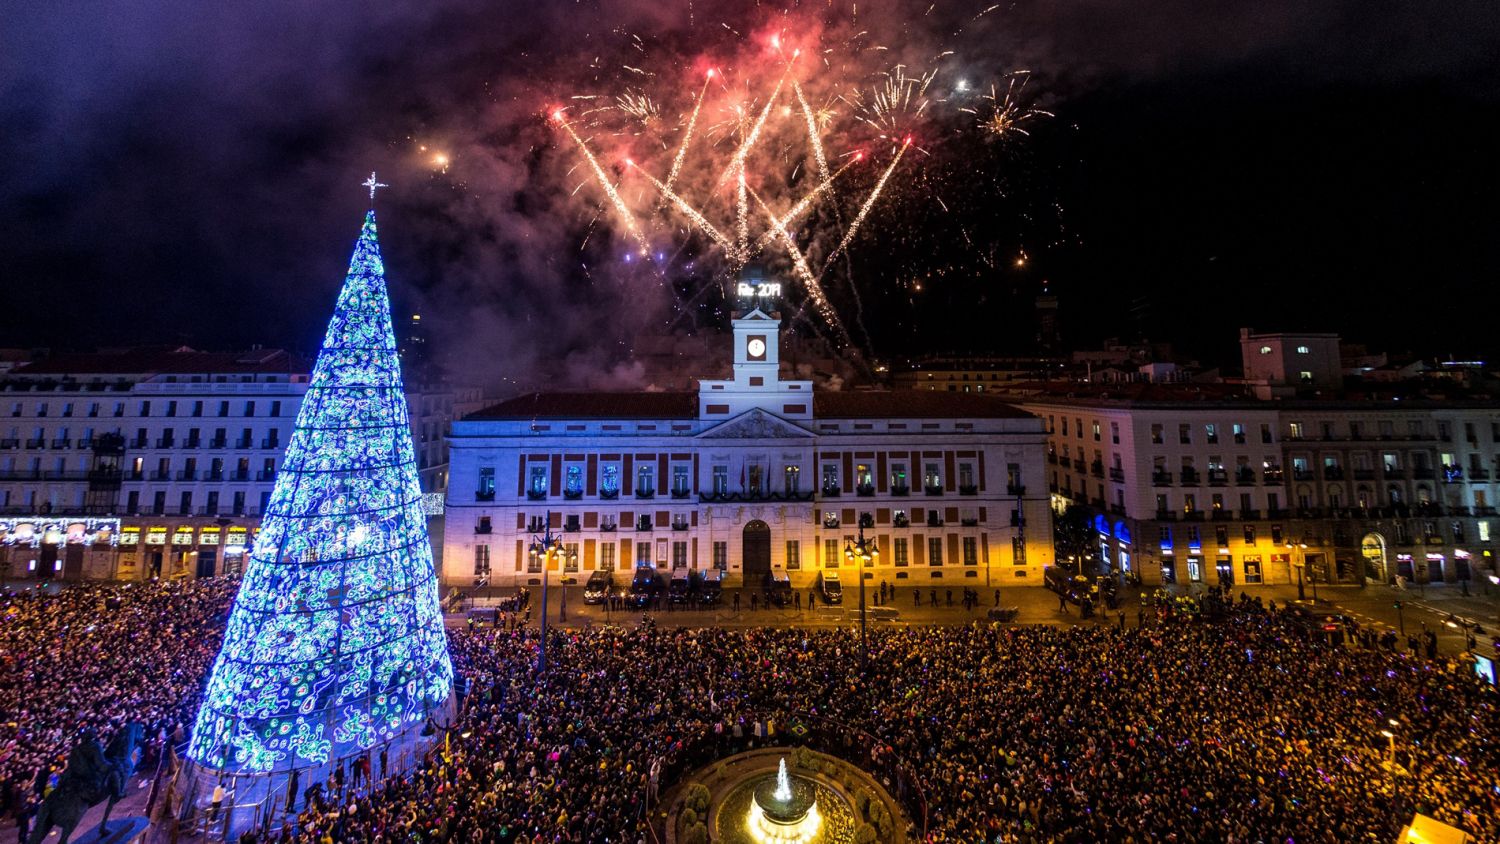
[
  {"x": 219, "y": 442},
  {"x": 643, "y": 524},
  {"x": 969, "y": 522},
  {"x": 572, "y": 494},
  {"x": 1017, "y": 490},
  {"x": 1166, "y": 516},
  {"x": 680, "y": 525},
  {"x": 1192, "y": 516},
  {"x": 213, "y": 475},
  {"x": 10, "y": 443},
  {"x": 608, "y": 527},
  {"x": 644, "y": 493},
  {"x": 1052, "y": 457},
  {"x": 1422, "y": 473},
  {"x": 61, "y": 443},
  {"x": 1244, "y": 476},
  {"x": 865, "y": 490},
  {"x": 1096, "y": 469},
  {"x": 900, "y": 490},
  {"x": 829, "y": 492},
  {"x": 932, "y": 490},
  {"x": 1189, "y": 477},
  {"x": 159, "y": 475},
  {"x": 187, "y": 475},
  {"x": 1479, "y": 474},
  {"x": 535, "y": 526},
  {"x": 166, "y": 442},
  {"x": 901, "y": 521},
  {"x": 243, "y": 442},
  {"x": 1302, "y": 474},
  {"x": 1333, "y": 473},
  {"x": 36, "y": 442},
  {"x": 1117, "y": 474},
  {"x": 1117, "y": 509},
  {"x": 1161, "y": 478},
  {"x": 1364, "y": 474},
  {"x": 85, "y": 444},
  {"x": 271, "y": 442},
  {"x": 830, "y": 521},
  {"x": 1220, "y": 515},
  {"x": 609, "y": 494},
  {"x": 571, "y": 525},
  {"x": 680, "y": 493},
  {"x": 484, "y": 495},
  {"x": 1272, "y": 476},
  {"x": 1249, "y": 515},
  {"x": 536, "y": 495},
  {"x": 1276, "y": 514},
  {"x": 1217, "y": 477},
  {"x": 970, "y": 489},
  {"x": 191, "y": 443},
  {"x": 483, "y": 527},
  {"x": 934, "y": 520}
]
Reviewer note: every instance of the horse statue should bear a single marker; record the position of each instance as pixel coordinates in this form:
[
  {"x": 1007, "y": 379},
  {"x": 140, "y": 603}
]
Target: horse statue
[{"x": 94, "y": 773}]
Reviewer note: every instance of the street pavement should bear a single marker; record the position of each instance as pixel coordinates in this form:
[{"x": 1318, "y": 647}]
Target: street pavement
[{"x": 1432, "y": 607}]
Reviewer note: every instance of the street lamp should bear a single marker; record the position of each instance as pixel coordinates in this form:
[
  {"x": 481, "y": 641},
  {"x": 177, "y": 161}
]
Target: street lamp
[
  {"x": 1301, "y": 570},
  {"x": 546, "y": 548},
  {"x": 865, "y": 550},
  {"x": 1390, "y": 761}
]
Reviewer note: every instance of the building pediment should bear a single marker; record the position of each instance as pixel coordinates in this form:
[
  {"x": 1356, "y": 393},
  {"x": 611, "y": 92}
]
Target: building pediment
[{"x": 757, "y": 424}]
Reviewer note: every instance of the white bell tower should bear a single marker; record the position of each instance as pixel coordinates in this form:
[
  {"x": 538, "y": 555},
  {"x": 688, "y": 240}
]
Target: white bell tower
[{"x": 757, "y": 379}]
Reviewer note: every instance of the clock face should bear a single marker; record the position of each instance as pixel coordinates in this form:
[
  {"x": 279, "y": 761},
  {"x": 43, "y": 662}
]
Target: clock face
[{"x": 756, "y": 348}]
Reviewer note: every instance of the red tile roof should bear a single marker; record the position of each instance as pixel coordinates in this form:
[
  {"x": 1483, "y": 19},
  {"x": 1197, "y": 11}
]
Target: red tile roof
[
  {"x": 905, "y": 404},
  {"x": 151, "y": 361}
]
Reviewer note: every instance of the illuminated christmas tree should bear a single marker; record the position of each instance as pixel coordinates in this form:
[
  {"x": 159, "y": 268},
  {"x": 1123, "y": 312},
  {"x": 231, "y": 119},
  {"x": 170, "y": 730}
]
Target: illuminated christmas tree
[{"x": 335, "y": 643}]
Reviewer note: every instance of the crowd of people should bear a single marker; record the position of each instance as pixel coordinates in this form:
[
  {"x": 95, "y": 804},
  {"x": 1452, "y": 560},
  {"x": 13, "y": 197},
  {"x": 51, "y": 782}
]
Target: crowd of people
[
  {"x": 94, "y": 657},
  {"x": 1231, "y": 726}
]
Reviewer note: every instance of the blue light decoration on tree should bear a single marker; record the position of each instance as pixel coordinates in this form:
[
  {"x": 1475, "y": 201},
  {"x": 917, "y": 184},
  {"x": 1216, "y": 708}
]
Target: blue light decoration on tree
[{"x": 335, "y": 643}]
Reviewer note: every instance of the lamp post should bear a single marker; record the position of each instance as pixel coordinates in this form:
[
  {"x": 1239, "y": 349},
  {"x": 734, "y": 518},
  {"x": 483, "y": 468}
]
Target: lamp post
[
  {"x": 1301, "y": 570},
  {"x": 546, "y": 548},
  {"x": 1390, "y": 761},
  {"x": 864, "y": 550}
]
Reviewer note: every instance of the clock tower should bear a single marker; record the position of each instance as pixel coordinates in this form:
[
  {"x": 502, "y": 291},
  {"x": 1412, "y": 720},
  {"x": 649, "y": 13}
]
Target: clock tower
[{"x": 757, "y": 379}]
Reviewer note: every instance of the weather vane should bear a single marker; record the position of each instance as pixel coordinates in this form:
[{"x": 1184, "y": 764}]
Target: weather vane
[{"x": 372, "y": 185}]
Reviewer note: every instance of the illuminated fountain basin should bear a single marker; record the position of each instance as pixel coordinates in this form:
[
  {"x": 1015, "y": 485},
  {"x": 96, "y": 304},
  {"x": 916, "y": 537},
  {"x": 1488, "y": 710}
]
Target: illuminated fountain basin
[{"x": 784, "y": 811}]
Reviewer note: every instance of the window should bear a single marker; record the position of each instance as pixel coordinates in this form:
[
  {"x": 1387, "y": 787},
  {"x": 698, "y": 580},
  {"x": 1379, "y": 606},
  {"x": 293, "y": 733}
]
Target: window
[
  {"x": 863, "y": 477},
  {"x": 965, "y": 475},
  {"x": 1265, "y": 350},
  {"x": 1096, "y": 432},
  {"x": 1161, "y": 503},
  {"x": 1157, "y": 435},
  {"x": 1211, "y": 432},
  {"x": 900, "y": 554},
  {"x": 538, "y": 484},
  {"x": 932, "y": 476},
  {"x": 830, "y": 553},
  {"x": 574, "y": 482},
  {"x": 934, "y": 550},
  {"x": 1065, "y": 426},
  {"x": 249, "y": 408},
  {"x": 1184, "y": 433},
  {"x": 197, "y": 408},
  {"x": 643, "y": 555},
  {"x": 645, "y": 480},
  {"x": 607, "y": 556},
  {"x": 487, "y": 482},
  {"x": 898, "y": 476},
  {"x": 679, "y": 480},
  {"x": 721, "y": 480},
  {"x": 793, "y": 554},
  {"x": 1294, "y": 430},
  {"x": 171, "y": 408},
  {"x": 1114, "y": 432},
  {"x": 145, "y": 409},
  {"x": 1013, "y": 478},
  {"x": 830, "y": 476},
  {"x": 1483, "y": 526},
  {"x": 791, "y": 480},
  {"x": 481, "y": 560},
  {"x": 679, "y": 555},
  {"x": 971, "y": 551},
  {"x": 1303, "y": 350},
  {"x": 1249, "y": 534},
  {"x": 721, "y": 555}
]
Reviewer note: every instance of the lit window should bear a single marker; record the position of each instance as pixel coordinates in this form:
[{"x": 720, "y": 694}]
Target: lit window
[
  {"x": 1303, "y": 350},
  {"x": 1265, "y": 350}
]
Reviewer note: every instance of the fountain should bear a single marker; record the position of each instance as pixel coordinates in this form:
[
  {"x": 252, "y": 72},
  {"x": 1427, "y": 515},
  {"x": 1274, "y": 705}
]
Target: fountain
[{"x": 784, "y": 811}]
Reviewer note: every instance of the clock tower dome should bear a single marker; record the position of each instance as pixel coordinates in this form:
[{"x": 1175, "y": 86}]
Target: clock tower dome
[{"x": 757, "y": 379}]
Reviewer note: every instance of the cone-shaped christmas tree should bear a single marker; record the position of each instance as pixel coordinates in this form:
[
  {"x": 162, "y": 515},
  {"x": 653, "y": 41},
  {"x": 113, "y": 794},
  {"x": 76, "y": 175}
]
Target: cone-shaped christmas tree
[{"x": 335, "y": 643}]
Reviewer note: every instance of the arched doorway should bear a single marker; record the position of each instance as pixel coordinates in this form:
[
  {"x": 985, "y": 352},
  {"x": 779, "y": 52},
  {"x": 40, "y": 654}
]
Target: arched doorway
[
  {"x": 1372, "y": 548},
  {"x": 755, "y": 552}
]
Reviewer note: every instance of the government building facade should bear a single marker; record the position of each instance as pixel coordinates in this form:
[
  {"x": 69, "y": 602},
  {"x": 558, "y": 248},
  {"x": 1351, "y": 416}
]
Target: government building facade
[{"x": 749, "y": 475}]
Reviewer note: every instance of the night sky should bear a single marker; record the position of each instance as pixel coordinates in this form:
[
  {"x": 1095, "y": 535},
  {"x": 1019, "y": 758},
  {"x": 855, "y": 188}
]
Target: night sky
[{"x": 178, "y": 171}]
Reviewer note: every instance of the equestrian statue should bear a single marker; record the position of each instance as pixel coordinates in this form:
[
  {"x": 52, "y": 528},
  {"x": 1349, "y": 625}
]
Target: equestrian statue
[{"x": 94, "y": 773}]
